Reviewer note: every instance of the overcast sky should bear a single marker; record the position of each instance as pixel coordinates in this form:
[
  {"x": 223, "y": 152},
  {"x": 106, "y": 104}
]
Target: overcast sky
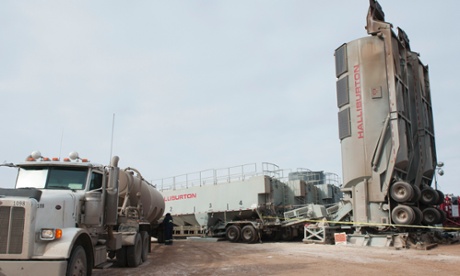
[{"x": 196, "y": 85}]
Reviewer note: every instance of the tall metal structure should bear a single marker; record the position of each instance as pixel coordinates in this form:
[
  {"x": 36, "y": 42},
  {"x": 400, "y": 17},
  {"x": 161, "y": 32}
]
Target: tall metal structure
[{"x": 386, "y": 128}]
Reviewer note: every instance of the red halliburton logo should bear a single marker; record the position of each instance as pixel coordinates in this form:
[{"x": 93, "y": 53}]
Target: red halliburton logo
[
  {"x": 180, "y": 197},
  {"x": 359, "y": 102}
]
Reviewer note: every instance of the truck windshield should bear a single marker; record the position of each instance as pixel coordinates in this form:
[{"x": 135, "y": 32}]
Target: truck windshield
[{"x": 52, "y": 178}]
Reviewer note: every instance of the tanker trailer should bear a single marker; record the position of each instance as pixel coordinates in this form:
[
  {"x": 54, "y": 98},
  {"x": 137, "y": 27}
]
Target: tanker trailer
[
  {"x": 386, "y": 130},
  {"x": 140, "y": 206},
  {"x": 65, "y": 216}
]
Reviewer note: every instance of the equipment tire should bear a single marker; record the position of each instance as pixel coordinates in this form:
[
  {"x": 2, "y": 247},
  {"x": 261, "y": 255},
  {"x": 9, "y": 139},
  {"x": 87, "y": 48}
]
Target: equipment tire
[
  {"x": 134, "y": 252},
  {"x": 402, "y": 191},
  {"x": 417, "y": 194},
  {"x": 121, "y": 256},
  {"x": 145, "y": 237},
  {"x": 249, "y": 234},
  {"x": 403, "y": 214},
  {"x": 78, "y": 262},
  {"x": 441, "y": 197},
  {"x": 429, "y": 196},
  {"x": 431, "y": 216},
  {"x": 233, "y": 233},
  {"x": 443, "y": 216},
  {"x": 418, "y": 215}
]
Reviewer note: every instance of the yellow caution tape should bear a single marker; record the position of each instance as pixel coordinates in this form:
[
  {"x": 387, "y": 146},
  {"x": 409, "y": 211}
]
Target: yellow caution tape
[{"x": 355, "y": 223}]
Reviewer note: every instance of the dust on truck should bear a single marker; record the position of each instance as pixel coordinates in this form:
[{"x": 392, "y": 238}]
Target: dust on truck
[{"x": 66, "y": 217}]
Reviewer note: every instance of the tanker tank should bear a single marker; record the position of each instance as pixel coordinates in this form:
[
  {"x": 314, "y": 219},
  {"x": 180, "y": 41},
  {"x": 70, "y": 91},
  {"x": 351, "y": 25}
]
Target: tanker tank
[{"x": 131, "y": 183}]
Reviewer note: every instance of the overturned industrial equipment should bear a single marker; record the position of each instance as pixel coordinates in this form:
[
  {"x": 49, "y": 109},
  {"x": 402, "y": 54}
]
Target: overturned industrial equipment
[{"x": 386, "y": 130}]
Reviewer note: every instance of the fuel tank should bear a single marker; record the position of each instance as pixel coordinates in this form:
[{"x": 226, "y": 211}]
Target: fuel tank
[{"x": 131, "y": 183}]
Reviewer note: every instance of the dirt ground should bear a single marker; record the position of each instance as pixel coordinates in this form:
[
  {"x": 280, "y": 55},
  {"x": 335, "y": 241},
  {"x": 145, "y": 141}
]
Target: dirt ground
[{"x": 188, "y": 257}]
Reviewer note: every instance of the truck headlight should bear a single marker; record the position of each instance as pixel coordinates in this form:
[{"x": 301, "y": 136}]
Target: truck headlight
[{"x": 48, "y": 234}]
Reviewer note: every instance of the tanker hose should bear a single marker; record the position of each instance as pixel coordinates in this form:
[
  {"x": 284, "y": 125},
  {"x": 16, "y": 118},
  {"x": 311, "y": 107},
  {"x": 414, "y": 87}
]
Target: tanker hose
[{"x": 136, "y": 171}]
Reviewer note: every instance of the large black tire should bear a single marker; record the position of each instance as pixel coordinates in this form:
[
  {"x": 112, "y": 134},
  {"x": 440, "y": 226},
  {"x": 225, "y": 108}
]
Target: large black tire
[
  {"x": 417, "y": 194},
  {"x": 418, "y": 215},
  {"x": 145, "y": 237},
  {"x": 443, "y": 216},
  {"x": 233, "y": 233},
  {"x": 403, "y": 214},
  {"x": 249, "y": 234},
  {"x": 431, "y": 216},
  {"x": 78, "y": 262},
  {"x": 134, "y": 252},
  {"x": 121, "y": 257},
  {"x": 401, "y": 191},
  {"x": 441, "y": 197},
  {"x": 429, "y": 196}
]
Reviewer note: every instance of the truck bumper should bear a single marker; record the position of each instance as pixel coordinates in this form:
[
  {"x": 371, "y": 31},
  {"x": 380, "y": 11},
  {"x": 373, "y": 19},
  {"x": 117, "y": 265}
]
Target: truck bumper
[{"x": 23, "y": 267}]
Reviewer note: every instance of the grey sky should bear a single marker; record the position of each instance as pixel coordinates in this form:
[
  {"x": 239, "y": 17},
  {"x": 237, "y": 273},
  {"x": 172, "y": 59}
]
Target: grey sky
[{"x": 201, "y": 84}]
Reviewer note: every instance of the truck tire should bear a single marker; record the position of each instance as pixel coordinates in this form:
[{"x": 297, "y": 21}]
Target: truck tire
[
  {"x": 78, "y": 263},
  {"x": 249, "y": 234},
  {"x": 145, "y": 245},
  {"x": 403, "y": 214},
  {"x": 134, "y": 252},
  {"x": 233, "y": 233},
  {"x": 431, "y": 216},
  {"x": 417, "y": 194},
  {"x": 429, "y": 196},
  {"x": 121, "y": 256},
  {"x": 401, "y": 191},
  {"x": 418, "y": 215},
  {"x": 441, "y": 197}
]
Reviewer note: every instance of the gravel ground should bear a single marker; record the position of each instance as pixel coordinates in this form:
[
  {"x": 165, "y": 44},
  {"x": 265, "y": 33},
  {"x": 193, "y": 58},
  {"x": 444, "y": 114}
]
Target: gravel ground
[{"x": 186, "y": 257}]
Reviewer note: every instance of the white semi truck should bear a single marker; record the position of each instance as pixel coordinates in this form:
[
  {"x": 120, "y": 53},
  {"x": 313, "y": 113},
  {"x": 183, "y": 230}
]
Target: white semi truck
[{"x": 66, "y": 217}]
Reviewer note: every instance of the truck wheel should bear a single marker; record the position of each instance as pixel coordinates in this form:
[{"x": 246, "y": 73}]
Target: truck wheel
[
  {"x": 441, "y": 197},
  {"x": 249, "y": 234},
  {"x": 431, "y": 216},
  {"x": 145, "y": 245},
  {"x": 417, "y": 194},
  {"x": 134, "y": 252},
  {"x": 418, "y": 215},
  {"x": 233, "y": 233},
  {"x": 77, "y": 264},
  {"x": 401, "y": 191},
  {"x": 121, "y": 257},
  {"x": 403, "y": 214},
  {"x": 429, "y": 196}
]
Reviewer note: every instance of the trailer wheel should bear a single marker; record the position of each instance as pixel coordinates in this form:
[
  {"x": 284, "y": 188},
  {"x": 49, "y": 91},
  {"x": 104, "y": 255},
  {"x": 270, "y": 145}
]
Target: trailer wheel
[
  {"x": 145, "y": 245},
  {"x": 401, "y": 191},
  {"x": 417, "y": 194},
  {"x": 77, "y": 264},
  {"x": 429, "y": 196},
  {"x": 249, "y": 234},
  {"x": 418, "y": 215},
  {"x": 443, "y": 216},
  {"x": 431, "y": 216},
  {"x": 134, "y": 252},
  {"x": 233, "y": 233},
  {"x": 441, "y": 197},
  {"x": 121, "y": 256},
  {"x": 403, "y": 214}
]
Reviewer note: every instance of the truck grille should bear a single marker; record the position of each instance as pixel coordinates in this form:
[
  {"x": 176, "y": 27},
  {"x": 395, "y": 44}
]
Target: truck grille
[{"x": 11, "y": 229}]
